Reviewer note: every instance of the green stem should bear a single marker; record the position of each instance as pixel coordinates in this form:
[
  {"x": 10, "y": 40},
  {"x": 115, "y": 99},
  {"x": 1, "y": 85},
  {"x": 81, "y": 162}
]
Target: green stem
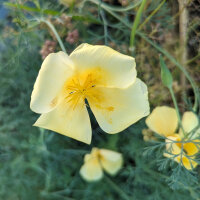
[
  {"x": 105, "y": 26},
  {"x": 51, "y": 26},
  {"x": 173, "y": 60},
  {"x": 158, "y": 48},
  {"x": 135, "y": 24},
  {"x": 193, "y": 59},
  {"x": 116, "y": 8},
  {"x": 116, "y": 188},
  {"x": 176, "y": 107},
  {"x": 152, "y": 14}
]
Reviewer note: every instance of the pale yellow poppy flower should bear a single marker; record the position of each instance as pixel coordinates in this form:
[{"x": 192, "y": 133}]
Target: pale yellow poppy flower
[
  {"x": 99, "y": 160},
  {"x": 163, "y": 120},
  {"x": 98, "y": 74}
]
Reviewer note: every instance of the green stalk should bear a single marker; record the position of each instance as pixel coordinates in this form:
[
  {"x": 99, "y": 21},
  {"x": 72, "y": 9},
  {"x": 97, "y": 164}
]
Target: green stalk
[
  {"x": 31, "y": 9},
  {"x": 173, "y": 60},
  {"x": 152, "y": 14},
  {"x": 193, "y": 59},
  {"x": 51, "y": 26},
  {"x": 177, "y": 109},
  {"x": 105, "y": 26},
  {"x": 117, "y": 189},
  {"x": 158, "y": 48},
  {"x": 117, "y": 8},
  {"x": 135, "y": 24}
]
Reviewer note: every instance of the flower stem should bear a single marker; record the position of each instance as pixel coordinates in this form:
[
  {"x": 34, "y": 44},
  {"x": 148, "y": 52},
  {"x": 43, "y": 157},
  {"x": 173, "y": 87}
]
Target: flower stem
[
  {"x": 176, "y": 107},
  {"x": 136, "y": 23},
  {"x": 105, "y": 26},
  {"x": 152, "y": 14},
  {"x": 158, "y": 48},
  {"x": 51, "y": 26},
  {"x": 116, "y": 188}
]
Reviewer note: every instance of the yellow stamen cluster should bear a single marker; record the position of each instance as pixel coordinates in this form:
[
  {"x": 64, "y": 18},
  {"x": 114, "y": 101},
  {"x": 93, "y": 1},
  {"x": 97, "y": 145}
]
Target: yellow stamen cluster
[{"x": 79, "y": 92}]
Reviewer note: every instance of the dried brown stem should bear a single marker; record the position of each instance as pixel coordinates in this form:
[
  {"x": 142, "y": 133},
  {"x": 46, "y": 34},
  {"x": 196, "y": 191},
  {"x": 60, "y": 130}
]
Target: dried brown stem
[{"x": 183, "y": 24}]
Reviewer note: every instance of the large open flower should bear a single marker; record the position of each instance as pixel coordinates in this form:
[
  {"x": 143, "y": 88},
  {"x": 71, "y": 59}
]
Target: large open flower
[
  {"x": 163, "y": 120},
  {"x": 98, "y": 74},
  {"x": 99, "y": 159}
]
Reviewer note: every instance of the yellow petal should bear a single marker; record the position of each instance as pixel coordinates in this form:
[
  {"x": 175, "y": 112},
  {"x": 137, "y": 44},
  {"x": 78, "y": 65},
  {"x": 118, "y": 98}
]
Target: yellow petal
[
  {"x": 91, "y": 170},
  {"x": 94, "y": 153},
  {"x": 111, "y": 68},
  {"x": 192, "y": 148},
  {"x": 116, "y": 109},
  {"x": 55, "y": 70},
  {"x": 111, "y": 161},
  {"x": 187, "y": 163},
  {"x": 189, "y": 122},
  {"x": 173, "y": 149},
  {"x": 74, "y": 123},
  {"x": 163, "y": 120}
]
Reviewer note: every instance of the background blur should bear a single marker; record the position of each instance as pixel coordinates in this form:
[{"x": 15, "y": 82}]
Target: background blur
[{"x": 38, "y": 164}]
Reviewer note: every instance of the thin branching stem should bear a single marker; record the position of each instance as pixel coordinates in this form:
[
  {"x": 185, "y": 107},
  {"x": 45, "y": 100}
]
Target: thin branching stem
[
  {"x": 117, "y": 189},
  {"x": 177, "y": 109},
  {"x": 136, "y": 23},
  {"x": 152, "y": 14},
  {"x": 158, "y": 48},
  {"x": 105, "y": 25},
  {"x": 51, "y": 26}
]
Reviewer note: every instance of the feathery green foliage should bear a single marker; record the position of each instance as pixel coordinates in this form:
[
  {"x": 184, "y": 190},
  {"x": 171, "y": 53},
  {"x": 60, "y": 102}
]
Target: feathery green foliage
[{"x": 40, "y": 164}]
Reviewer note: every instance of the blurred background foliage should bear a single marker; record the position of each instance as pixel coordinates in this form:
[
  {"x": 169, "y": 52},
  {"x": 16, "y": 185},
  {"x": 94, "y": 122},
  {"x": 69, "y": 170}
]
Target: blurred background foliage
[{"x": 40, "y": 164}]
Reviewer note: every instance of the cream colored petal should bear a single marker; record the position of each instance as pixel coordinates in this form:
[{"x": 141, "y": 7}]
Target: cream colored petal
[
  {"x": 116, "y": 109},
  {"x": 163, "y": 120},
  {"x": 55, "y": 70},
  {"x": 74, "y": 123},
  {"x": 172, "y": 147},
  {"x": 91, "y": 170},
  {"x": 189, "y": 122},
  {"x": 111, "y": 161},
  {"x": 109, "y": 67}
]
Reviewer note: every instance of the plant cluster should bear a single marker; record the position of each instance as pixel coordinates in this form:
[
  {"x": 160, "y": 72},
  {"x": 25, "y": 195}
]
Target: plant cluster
[{"x": 36, "y": 163}]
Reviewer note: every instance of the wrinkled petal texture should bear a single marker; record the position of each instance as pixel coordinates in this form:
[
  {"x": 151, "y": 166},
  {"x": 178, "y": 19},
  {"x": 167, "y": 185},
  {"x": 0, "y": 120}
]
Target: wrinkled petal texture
[
  {"x": 55, "y": 70},
  {"x": 74, "y": 123},
  {"x": 163, "y": 120},
  {"x": 189, "y": 122},
  {"x": 111, "y": 161},
  {"x": 111, "y": 68},
  {"x": 120, "y": 108},
  {"x": 91, "y": 170}
]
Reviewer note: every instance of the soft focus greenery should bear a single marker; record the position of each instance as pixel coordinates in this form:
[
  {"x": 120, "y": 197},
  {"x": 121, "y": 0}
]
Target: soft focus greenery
[{"x": 37, "y": 164}]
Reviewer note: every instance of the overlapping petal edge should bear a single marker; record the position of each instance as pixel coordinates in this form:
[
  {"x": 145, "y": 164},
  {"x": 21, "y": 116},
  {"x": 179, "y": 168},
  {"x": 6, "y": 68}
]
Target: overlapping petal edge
[
  {"x": 106, "y": 78},
  {"x": 163, "y": 120},
  {"x": 99, "y": 160}
]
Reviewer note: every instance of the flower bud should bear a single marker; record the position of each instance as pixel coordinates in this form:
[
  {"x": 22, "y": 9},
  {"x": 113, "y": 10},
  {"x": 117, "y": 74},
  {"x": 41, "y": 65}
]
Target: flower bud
[{"x": 165, "y": 74}]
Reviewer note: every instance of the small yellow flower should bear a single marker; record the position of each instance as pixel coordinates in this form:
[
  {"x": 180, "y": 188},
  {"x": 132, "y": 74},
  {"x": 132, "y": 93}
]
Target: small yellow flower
[
  {"x": 99, "y": 159},
  {"x": 98, "y": 74},
  {"x": 163, "y": 120}
]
